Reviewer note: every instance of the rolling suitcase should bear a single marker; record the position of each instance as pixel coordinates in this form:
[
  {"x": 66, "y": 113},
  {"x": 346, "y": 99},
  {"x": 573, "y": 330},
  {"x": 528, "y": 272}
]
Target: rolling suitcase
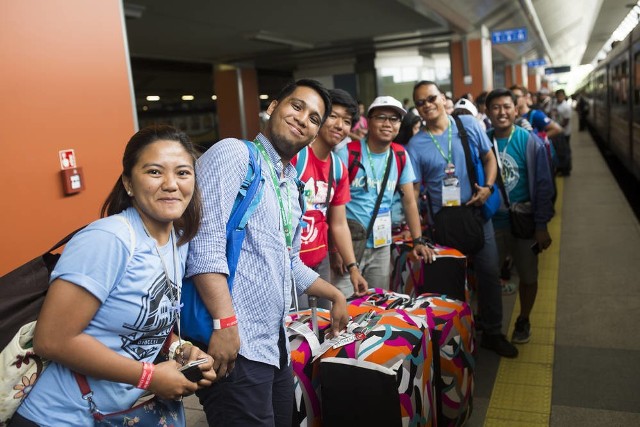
[
  {"x": 451, "y": 327},
  {"x": 383, "y": 377}
]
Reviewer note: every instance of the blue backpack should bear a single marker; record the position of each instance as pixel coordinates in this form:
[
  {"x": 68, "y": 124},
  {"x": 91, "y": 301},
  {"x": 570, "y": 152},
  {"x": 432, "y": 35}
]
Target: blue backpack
[{"x": 195, "y": 320}]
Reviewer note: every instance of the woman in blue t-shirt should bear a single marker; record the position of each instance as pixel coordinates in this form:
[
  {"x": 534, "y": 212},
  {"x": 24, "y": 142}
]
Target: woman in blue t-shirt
[{"x": 114, "y": 296}]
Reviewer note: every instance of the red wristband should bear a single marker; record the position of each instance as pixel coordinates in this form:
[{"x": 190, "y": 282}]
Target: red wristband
[
  {"x": 225, "y": 323},
  {"x": 147, "y": 373}
]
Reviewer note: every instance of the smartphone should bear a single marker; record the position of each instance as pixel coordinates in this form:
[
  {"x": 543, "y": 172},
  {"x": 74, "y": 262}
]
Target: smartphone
[
  {"x": 192, "y": 370},
  {"x": 535, "y": 248}
]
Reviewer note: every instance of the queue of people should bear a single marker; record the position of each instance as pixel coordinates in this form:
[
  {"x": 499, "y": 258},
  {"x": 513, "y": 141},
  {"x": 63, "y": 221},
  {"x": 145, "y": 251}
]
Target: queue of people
[{"x": 165, "y": 219}]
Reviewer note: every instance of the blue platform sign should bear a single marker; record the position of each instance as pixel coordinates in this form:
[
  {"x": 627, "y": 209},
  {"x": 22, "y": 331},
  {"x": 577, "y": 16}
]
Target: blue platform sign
[
  {"x": 514, "y": 35},
  {"x": 536, "y": 63}
]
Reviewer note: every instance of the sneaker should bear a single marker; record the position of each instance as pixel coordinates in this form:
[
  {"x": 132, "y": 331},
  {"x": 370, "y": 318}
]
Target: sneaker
[
  {"x": 499, "y": 344},
  {"x": 522, "y": 331},
  {"x": 508, "y": 288}
]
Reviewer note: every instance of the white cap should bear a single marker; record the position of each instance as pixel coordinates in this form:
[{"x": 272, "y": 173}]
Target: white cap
[
  {"x": 467, "y": 105},
  {"x": 544, "y": 91},
  {"x": 389, "y": 102}
]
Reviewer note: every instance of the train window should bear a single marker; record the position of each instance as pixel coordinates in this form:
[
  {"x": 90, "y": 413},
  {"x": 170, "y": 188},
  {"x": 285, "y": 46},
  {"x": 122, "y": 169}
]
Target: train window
[
  {"x": 624, "y": 82},
  {"x": 636, "y": 74}
]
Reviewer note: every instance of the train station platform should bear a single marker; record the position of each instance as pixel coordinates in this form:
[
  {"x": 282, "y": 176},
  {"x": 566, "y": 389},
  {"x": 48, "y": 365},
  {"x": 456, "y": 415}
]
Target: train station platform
[{"x": 582, "y": 365}]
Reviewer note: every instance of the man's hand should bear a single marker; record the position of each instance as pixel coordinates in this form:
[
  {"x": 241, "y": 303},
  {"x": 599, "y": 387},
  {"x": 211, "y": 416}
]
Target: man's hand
[
  {"x": 359, "y": 283},
  {"x": 481, "y": 195},
  {"x": 223, "y": 347},
  {"x": 543, "y": 238},
  {"x": 339, "y": 315},
  {"x": 421, "y": 251}
]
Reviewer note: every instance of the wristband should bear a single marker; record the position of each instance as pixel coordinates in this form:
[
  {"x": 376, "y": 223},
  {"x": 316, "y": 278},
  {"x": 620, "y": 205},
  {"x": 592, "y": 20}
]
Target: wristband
[
  {"x": 353, "y": 264},
  {"x": 225, "y": 323},
  {"x": 147, "y": 373}
]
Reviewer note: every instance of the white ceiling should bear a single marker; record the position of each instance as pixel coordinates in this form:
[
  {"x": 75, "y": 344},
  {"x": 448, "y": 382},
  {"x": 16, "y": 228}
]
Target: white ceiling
[{"x": 564, "y": 32}]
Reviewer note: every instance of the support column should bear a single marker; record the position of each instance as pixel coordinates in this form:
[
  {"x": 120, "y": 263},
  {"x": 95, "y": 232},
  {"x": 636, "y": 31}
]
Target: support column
[
  {"x": 471, "y": 64},
  {"x": 533, "y": 82},
  {"x": 238, "y": 102},
  {"x": 515, "y": 74}
]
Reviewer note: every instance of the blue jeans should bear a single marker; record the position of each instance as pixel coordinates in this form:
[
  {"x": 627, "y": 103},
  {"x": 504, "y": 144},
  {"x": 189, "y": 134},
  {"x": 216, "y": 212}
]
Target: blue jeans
[
  {"x": 254, "y": 394},
  {"x": 487, "y": 269}
]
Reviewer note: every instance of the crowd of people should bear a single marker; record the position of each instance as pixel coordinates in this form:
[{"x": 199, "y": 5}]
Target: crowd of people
[{"x": 113, "y": 306}]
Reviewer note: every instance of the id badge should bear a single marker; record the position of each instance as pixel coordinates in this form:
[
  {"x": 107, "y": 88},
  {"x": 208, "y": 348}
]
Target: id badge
[
  {"x": 451, "y": 191},
  {"x": 382, "y": 228}
]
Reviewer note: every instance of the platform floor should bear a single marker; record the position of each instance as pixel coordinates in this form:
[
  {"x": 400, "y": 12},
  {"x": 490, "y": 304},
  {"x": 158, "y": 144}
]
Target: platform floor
[{"x": 582, "y": 366}]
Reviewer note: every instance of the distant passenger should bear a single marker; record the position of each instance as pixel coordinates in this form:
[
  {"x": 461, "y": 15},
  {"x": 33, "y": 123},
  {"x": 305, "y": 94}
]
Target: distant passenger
[
  {"x": 563, "y": 109},
  {"x": 361, "y": 127},
  {"x": 528, "y": 185},
  {"x": 541, "y": 123},
  {"x": 325, "y": 218},
  {"x": 378, "y": 156},
  {"x": 448, "y": 105},
  {"x": 437, "y": 154}
]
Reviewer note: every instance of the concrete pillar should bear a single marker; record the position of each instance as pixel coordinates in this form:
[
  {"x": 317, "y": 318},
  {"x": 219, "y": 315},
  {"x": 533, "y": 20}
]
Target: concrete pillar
[
  {"x": 238, "y": 102},
  {"x": 471, "y": 65}
]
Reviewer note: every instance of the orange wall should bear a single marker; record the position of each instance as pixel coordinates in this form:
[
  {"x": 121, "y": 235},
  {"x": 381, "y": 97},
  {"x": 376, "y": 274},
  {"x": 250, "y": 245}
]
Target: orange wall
[
  {"x": 64, "y": 84},
  {"x": 474, "y": 51}
]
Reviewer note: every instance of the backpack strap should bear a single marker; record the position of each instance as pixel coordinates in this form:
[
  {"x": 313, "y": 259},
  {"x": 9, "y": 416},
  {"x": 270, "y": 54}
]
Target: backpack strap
[
  {"x": 301, "y": 160},
  {"x": 337, "y": 167},
  {"x": 471, "y": 170},
  {"x": 401, "y": 160},
  {"x": 355, "y": 153}
]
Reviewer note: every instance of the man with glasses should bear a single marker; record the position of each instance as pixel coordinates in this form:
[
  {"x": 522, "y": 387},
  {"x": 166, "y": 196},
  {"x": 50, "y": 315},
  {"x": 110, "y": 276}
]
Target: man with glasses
[
  {"x": 376, "y": 154},
  {"x": 438, "y": 155}
]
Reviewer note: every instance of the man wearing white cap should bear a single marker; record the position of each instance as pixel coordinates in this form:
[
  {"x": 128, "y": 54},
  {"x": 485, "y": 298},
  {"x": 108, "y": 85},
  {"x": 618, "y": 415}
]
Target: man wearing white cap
[{"x": 378, "y": 168}]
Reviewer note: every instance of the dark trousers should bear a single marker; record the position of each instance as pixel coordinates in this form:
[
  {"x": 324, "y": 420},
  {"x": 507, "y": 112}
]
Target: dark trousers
[
  {"x": 254, "y": 394},
  {"x": 19, "y": 421}
]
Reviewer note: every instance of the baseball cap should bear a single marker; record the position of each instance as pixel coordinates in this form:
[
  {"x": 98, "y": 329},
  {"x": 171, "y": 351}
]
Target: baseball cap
[
  {"x": 388, "y": 102},
  {"x": 544, "y": 91},
  {"x": 467, "y": 105}
]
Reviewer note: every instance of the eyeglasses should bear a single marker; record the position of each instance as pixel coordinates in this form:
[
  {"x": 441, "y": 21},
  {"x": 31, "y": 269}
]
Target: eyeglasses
[
  {"x": 430, "y": 99},
  {"x": 382, "y": 118}
]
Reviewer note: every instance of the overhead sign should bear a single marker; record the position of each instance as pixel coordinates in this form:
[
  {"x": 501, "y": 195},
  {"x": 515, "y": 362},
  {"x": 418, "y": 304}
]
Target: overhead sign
[
  {"x": 556, "y": 70},
  {"x": 514, "y": 35},
  {"x": 536, "y": 63}
]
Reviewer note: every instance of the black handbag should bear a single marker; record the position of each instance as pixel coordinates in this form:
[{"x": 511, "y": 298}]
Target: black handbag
[
  {"x": 460, "y": 227},
  {"x": 22, "y": 291}
]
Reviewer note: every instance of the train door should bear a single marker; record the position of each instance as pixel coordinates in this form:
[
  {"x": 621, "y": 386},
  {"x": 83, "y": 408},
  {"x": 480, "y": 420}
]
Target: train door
[
  {"x": 634, "y": 147},
  {"x": 600, "y": 104},
  {"x": 619, "y": 113}
]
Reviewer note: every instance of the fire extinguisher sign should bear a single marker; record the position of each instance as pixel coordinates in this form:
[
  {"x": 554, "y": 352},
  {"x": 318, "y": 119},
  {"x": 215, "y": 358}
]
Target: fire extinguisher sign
[{"x": 67, "y": 159}]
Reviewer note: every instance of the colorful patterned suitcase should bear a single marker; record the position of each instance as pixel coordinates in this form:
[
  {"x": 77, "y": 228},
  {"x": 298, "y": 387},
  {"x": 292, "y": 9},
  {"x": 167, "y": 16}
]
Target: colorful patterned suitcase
[
  {"x": 382, "y": 378},
  {"x": 451, "y": 326},
  {"x": 304, "y": 345},
  {"x": 446, "y": 276}
]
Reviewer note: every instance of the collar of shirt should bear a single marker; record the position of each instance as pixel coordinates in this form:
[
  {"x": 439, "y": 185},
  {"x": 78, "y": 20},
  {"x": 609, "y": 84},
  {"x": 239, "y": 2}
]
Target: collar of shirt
[{"x": 290, "y": 171}]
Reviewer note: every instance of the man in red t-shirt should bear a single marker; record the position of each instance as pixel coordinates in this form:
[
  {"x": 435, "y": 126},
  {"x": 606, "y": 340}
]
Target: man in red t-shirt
[{"x": 314, "y": 164}]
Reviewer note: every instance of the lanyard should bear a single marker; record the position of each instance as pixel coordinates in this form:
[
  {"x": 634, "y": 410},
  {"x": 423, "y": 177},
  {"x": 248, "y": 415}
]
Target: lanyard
[
  {"x": 285, "y": 216},
  {"x": 504, "y": 151},
  {"x": 448, "y": 156},
  {"x": 373, "y": 169}
]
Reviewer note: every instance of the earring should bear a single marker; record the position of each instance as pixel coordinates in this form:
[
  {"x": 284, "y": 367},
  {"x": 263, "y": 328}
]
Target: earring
[{"x": 129, "y": 192}]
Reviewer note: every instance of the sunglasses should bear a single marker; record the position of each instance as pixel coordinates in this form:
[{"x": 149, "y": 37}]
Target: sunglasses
[{"x": 430, "y": 99}]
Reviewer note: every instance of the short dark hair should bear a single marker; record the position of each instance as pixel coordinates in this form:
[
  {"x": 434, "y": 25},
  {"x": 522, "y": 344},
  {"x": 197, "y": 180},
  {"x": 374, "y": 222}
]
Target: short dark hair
[
  {"x": 561, "y": 91},
  {"x": 344, "y": 99},
  {"x": 499, "y": 93},
  {"x": 424, "y": 83},
  {"x": 523, "y": 89},
  {"x": 313, "y": 84},
  {"x": 406, "y": 128},
  {"x": 118, "y": 200}
]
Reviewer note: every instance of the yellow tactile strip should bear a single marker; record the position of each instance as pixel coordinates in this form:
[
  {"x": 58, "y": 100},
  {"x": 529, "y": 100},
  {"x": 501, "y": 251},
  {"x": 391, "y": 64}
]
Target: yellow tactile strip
[{"x": 521, "y": 394}]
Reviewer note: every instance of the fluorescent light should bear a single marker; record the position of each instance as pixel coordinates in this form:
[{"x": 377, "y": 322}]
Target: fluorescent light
[
  {"x": 132, "y": 10},
  {"x": 214, "y": 97},
  {"x": 153, "y": 98},
  {"x": 264, "y": 96},
  {"x": 278, "y": 39},
  {"x": 188, "y": 97}
]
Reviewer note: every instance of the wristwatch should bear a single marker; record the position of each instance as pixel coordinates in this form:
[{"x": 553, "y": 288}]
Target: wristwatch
[
  {"x": 491, "y": 188},
  {"x": 419, "y": 241},
  {"x": 353, "y": 264}
]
